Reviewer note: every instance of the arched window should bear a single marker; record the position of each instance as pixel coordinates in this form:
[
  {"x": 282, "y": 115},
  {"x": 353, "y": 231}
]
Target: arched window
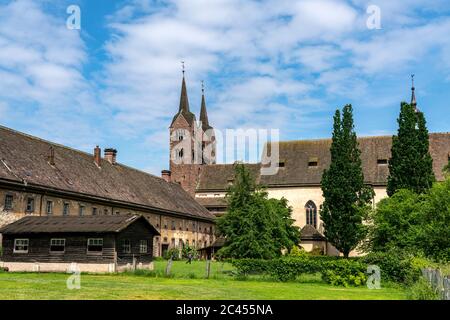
[
  {"x": 180, "y": 154},
  {"x": 311, "y": 214}
]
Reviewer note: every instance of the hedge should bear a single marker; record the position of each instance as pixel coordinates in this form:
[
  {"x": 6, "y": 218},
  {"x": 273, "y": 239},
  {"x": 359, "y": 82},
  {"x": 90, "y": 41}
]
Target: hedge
[{"x": 336, "y": 271}]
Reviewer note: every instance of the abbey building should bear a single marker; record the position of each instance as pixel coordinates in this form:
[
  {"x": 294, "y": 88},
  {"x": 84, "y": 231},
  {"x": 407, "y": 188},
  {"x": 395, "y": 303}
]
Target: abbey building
[{"x": 300, "y": 167}]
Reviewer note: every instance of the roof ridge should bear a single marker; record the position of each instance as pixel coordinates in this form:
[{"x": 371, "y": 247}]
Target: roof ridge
[{"x": 73, "y": 149}]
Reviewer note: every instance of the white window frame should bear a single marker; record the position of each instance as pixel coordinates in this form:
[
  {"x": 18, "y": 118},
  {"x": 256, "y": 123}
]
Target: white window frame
[
  {"x": 94, "y": 240},
  {"x": 126, "y": 246},
  {"x": 143, "y": 246},
  {"x": 56, "y": 244},
  {"x": 23, "y": 245}
]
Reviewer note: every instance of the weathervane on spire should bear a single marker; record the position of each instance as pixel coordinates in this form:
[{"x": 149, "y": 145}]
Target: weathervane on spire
[
  {"x": 413, "y": 95},
  {"x": 182, "y": 67},
  {"x": 412, "y": 80},
  {"x": 203, "y": 86}
]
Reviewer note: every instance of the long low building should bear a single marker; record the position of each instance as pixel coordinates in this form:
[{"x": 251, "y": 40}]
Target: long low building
[
  {"x": 41, "y": 178},
  {"x": 78, "y": 243}
]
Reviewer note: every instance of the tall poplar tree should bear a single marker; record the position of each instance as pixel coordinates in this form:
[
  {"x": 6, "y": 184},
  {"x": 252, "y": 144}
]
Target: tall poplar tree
[
  {"x": 346, "y": 198},
  {"x": 411, "y": 165}
]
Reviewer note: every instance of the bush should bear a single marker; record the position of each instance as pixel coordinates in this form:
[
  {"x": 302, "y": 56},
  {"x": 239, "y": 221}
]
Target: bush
[
  {"x": 173, "y": 253},
  {"x": 344, "y": 272},
  {"x": 251, "y": 266},
  {"x": 336, "y": 271},
  {"x": 421, "y": 290},
  {"x": 395, "y": 266},
  {"x": 297, "y": 252}
]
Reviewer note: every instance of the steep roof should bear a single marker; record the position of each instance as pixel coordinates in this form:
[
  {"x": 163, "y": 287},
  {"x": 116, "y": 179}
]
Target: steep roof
[
  {"x": 184, "y": 106},
  {"x": 75, "y": 224},
  {"x": 204, "y": 115},
  {"x": 24, "y": 159},
  {"x": 308, "y": 232},
  {"x": 296, "y": 156},
  {"x": 219, "y": 176}
]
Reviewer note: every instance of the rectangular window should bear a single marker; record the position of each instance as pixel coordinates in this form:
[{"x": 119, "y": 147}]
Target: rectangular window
[
  {"x": 49, "y": 207},
  {"x": 126, "y": 246},
  {"x": 95, "y": 245},
  {"x": 21, "y": 245},
  {"x": 143, "y": 246},
  {"x": 81, "y": 210},
  {"x": 30, "y": 205},
  {"x": 382, "y": 161},
  {"x": 281, "y": 164},
  {"x": 94, "y": 211},
  {"x": 173, "y": 225},
  {"x": 8, "y": 202},
  {"x": 57, "y": 245},
  {"x": 65, "y": 209}
]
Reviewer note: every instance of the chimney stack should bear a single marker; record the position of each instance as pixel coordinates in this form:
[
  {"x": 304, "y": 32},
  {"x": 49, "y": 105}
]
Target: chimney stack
[
  {"x": 166, "y": 175},
  {"x": 51, "y": 156},
  {"x": 97, "y": 156},
  {"x": 110, "y": 155}
]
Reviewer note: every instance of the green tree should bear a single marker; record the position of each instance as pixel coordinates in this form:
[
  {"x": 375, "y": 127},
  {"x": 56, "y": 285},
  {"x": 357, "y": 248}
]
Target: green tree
[
  {"x": 411, "y": 165},
  {"x": 393, "y": 222},
  {"x": 254, "y": 225},
  {"x": 433, "y": 231},
  {"x": 346, "y": 198}
]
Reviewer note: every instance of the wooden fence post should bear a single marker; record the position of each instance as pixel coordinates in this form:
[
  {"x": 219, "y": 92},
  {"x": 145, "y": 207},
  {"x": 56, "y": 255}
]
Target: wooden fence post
[
  {"x": 168, "y": 267},
  {"x": 208, "y": 268}
]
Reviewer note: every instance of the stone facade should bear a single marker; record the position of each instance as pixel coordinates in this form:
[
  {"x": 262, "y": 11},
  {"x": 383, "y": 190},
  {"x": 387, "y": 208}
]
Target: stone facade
[{"x": 175, "y": 231}]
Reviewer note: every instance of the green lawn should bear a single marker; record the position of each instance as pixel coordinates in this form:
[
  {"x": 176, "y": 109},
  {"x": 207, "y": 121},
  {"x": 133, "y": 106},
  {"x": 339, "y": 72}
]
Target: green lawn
[{"x": 187, "y": 283}]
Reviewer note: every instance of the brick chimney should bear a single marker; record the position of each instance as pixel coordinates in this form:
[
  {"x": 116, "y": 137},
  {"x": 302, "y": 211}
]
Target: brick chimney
[
  {"x": 166, "y": 175},
  {"x": 110, "y": 155},
  {"x": 97, "y": 156}
]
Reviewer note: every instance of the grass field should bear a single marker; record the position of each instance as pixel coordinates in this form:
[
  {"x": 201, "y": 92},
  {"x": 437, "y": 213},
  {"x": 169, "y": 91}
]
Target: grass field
[{"x": 188, "y": 282}]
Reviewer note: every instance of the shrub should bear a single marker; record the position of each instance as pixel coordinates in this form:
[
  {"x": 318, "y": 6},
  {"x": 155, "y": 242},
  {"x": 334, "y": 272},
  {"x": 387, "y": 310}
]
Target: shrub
[
  {"x": 395, "y": 266},
  {"x": 421, "y": 290},
  {"x": 173, "y": 253},
  {"x": 251, "y": 266},
  {"x": 297, "y": 252},
  {"x": 336, "y": 271},
  {"x": 344, "y": 272}
]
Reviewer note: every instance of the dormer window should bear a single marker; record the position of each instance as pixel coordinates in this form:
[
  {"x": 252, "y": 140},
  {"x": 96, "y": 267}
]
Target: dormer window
[
  {"x": 382, "y": 162},
  {"x": 313, "y": 162}
]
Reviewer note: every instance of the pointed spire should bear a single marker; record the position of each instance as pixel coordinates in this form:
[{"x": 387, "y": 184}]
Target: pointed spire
[
  {"x": 413, "y": 94},
  {"x": 203, "y": 112},
  {"x": 184, "y": 102}
]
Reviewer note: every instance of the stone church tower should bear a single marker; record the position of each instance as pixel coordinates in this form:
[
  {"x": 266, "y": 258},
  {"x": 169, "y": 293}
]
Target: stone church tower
[{"x": 192, "y": 143}]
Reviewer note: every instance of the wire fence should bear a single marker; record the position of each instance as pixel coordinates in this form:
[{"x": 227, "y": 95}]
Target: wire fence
[{"x": 439, "y": 282}]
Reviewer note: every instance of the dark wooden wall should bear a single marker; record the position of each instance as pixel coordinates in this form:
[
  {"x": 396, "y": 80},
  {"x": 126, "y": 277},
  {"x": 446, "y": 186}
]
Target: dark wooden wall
[
  {"x": 75, "y": 250},
  {"x": 135, "y": 233}
]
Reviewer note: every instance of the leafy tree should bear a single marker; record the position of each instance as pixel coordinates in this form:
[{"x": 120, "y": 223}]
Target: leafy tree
[
  {"x": 346, "y": 197},
  {"x": 411, "y": 165},
  {"x": 409, "y": 222},
  {"x": 433, "y": 232},
  {"x": 393, "y": 223},
  {"x": 254, "y": 225}
]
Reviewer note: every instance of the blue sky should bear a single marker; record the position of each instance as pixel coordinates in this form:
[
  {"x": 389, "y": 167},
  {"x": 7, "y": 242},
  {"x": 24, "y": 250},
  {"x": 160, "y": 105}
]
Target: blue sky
[{"x": 266, "y": 64}]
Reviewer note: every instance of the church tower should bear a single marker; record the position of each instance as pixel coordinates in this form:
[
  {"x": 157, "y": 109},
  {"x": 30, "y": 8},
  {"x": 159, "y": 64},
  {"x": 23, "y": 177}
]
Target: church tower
[{"x": 192, "y": 144}]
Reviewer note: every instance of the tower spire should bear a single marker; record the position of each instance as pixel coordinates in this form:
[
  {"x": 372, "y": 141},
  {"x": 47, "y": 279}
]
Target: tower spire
[
  {"x": 413, "y": 94},
  {"x": 184, "y": 102},
  {"x": 203, "y": 112}
]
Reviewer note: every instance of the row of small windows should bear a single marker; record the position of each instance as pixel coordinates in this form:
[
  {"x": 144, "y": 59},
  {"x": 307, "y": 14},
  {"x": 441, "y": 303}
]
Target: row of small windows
[
  {"x": 314, "y": 162},
  {"x": 49, "y": 207},
  {"x": 93, "y": 245}
]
